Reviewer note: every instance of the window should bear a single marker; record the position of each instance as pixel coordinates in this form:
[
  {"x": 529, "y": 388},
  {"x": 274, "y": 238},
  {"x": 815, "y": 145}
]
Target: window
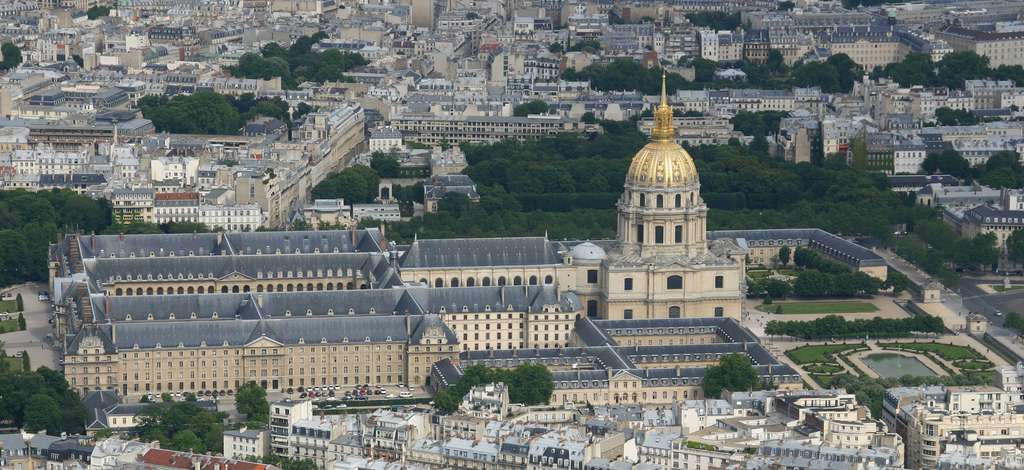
[
  {"x": 627, "y": 283},
  {"x": 719, "y": 311},
  {"x": 591, "y": 276},
  {"x": 659, "y": 234},
  {"x": 679, "y": 233},
  {"x": 592, "y": 308},
  {"x": 627, "y": 314},
  {"x": 673, "y": 312},
  {"x": 643, "y": 200},
  {"x": 639, "y": 233},
  {"x": 660, "y": 201},
  {"x": 719, "y": 282},
  {"x": 674, "y": 282},
  {"x": 679, "y": 200}
]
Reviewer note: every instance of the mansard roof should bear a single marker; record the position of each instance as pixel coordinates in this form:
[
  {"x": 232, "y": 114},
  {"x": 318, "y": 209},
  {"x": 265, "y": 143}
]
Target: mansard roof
[{"x": 467, "y": 252}]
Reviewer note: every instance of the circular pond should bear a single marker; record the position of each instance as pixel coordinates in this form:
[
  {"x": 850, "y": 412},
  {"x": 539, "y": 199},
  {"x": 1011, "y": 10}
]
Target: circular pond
[{"x": 896, "y": 365}]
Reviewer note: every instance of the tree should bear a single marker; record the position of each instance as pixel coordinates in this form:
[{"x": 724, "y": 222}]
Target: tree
[
  {"x": 21, "y": 321},
  {"x": 817, "y": 74},
  {"x": 734, "y": 372},
  {"x": 186, "y": 440},
  {"x": 19, "y": 302},
  {"x": 531, "y": 384},
  {"x": 355, "y": 184},
  {"x": 777, "y": 289},
  {"x": 896, "y": 281},
  {"x": 715, "y": 20},
  {"x": 555, "y": 48},
  {"x": 251, "y": 401},
  {"x": 386, "y": 165},
  {"x": 446, "y": 401},
  {"x": 784, "y": 255},
  {"x": 785, "y": 5},
  {"x": 589, "y": 118},
  {"x": 532, "y": 107},
  {"x": 12, "y": 56},
  {"x": 1015, "y": 246},
  {"x": 955, "y": 117},
  {"x": 42, "y": 413},
  {"x": 97, "y": 11},
  {"x": 949, "y": 162}
]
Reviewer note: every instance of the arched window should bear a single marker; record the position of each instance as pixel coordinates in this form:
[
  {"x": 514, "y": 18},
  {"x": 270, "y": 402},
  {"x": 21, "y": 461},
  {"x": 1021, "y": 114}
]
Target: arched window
[
  {"x": 149, "y": 291},
  {"x": 517, "y": 281},
  {"x": 533, "y": 280},
  {"x": 159, "y": 291},
  {"x": 191, "y": 290},
  {"x": 675, "y": 282},
  {"x": 592, "y": 308},
  {"x": 548, "y": 279},
  {"x": 259, "y": 287},
  {"x": 679, "y": 200},
  {"x": 691, "y": 199},
  {"x": 643, "y": 199},
  {"x": 246, "y": 288},
  {"x": 309, "y": 286},
  {"x": 486, "y": 281},
  {"x": 501, "y": 281},
  {"x": 470, "y": 282},
  {"x": 673, "y": 312},
  {"x": 224, "y": 289},
  {"x": 201, "y": 290},
  {"x": 438, "y": 282},
  {"x": 659, "y": 201},
  {"x": 234, "y": 289},
  {"x": 679, "y": 233},
  {"x": 424, "y": 282},
  {"x": 454, "y": 282},
  {"x": 118, "y": 291},
  {"x": 181, "y": 290}
]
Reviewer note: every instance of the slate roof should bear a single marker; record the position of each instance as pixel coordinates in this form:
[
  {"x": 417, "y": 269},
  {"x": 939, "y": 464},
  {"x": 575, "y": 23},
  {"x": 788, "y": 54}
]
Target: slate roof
[
  {"x": 311, "y": 330},
  {"x": 816, "y": 238},
  {"x": 102, "y": 270},
  {"x": 524, "y": 251},
  {"x": 393, "y": 301},
  {"x": 241, "y": 243}
]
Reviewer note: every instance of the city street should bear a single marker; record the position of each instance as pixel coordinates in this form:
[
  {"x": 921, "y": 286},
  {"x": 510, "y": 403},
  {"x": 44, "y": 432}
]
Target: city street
[{"x": 34, "y": 338}]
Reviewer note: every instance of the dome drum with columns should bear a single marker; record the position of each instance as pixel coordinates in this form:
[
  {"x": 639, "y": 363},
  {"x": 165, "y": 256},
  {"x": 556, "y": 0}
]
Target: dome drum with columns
[{"x": 662, "y": 265}]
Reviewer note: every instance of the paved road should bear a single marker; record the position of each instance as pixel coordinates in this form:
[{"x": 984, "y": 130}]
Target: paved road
[{"x": 33, "y": 339}]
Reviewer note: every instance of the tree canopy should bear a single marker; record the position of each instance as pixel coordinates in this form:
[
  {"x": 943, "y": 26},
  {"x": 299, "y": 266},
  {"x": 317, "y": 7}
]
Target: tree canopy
[
  {"x": 834, "y": 326},
  {"x": 182, "y": 426},
  {"x": 528, "y": 384},
  {"x": 356, "y": 184},
  {"x": 97, "y": 11},
  {"x": 40, "y": 400},
  {"x": 251, "y": 401},
  {"x": 207, "y": 112},
  {"x": 12, "y": 56},
  {"x": 531, "y": 107},
  {"x": 734, "y": 372},
  {"x": 298, "y": 64},
  {"x": 951, "y": 71}
]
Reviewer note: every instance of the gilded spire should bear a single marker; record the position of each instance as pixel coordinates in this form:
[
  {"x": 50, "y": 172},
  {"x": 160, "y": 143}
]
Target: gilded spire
[{"x": 663, "y": 129}]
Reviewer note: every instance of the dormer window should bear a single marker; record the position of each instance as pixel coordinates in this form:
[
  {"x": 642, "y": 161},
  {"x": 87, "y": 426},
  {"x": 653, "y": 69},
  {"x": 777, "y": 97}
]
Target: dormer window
[
  {"x": 170, "y": 316},
  {"x": 287, "y": 313},
  {"x": 309, "y": 312},
  {"x": 373, "y": 310},
  {"x": 193, "y": 316},
  {"x": 330, "y": 312},
  {"x": 149, "y": 317}
]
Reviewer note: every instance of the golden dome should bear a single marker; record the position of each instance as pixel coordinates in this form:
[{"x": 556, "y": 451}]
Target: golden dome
[{"x": 662, "y": 163}]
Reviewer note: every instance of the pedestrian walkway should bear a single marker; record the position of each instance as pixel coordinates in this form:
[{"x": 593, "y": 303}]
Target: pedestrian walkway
[{"x": 955, "y": 321}]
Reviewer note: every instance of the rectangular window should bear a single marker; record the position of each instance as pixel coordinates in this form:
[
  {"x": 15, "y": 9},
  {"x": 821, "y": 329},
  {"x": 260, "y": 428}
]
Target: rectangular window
[
  {"x": 591, "y": 276},
  {"x": 719, "y": 311},
  {"x": 659, "y": 234},
  {"x": 627, "y": 284},
  {"x": 679, "y": 233},
  {"x": 627, "y": 314},
  {"x": 639, "y": 233},
  {"x": 719, "y": 281}
]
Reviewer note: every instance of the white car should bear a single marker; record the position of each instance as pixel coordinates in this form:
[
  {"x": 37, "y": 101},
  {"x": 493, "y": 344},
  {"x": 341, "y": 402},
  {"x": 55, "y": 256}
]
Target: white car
[
  {"x": 392, "y": 395},
  {"x": 405, "y": 394}
]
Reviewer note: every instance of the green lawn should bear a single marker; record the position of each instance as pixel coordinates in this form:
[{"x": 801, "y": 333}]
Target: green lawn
[
  {"x": 820, "y": 353},
  {"x": 7, "y": 326},
  {"x": 948, "y": 352},
  {"x": 823, "y": 369},
  {"x": 8, "y": 306},
  {"x": 1001, "y": 288},
  {"x": 803, "y": 308},
  {"x": 758, "y": 274},
  {"x": 14, "y": 362}
]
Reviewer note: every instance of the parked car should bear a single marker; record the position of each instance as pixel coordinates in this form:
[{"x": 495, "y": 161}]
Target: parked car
[{"x": 405, "y": 394}]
